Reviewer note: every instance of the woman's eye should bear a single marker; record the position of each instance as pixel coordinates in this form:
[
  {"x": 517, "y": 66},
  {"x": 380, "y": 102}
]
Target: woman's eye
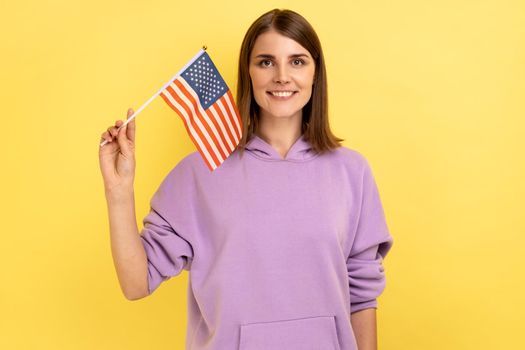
[
  {"x": 265, "y": 63},
  {"x": 298, "y": 62}
]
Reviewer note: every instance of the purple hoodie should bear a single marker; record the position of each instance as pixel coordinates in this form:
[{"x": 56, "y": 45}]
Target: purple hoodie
[{"x": 279, "y": 251}]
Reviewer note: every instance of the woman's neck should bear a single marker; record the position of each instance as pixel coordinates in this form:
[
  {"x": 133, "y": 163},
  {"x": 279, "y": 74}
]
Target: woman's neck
[{"x": 281, "y": 133}]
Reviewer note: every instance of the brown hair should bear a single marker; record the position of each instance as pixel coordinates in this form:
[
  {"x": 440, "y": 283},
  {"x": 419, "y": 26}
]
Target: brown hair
[{"x": 315, "y": 125}]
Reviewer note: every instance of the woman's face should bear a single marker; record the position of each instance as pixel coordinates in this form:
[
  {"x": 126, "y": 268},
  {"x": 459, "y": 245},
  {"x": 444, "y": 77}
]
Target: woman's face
[{"x": 282, "y": 74}]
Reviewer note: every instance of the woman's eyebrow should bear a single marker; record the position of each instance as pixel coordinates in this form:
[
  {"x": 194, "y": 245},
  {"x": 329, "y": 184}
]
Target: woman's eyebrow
[{"x": 296, "y": 55}]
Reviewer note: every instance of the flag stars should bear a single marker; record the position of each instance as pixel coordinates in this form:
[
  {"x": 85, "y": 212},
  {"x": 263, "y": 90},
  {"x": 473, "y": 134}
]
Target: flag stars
[{"x": 205, "y": 80}]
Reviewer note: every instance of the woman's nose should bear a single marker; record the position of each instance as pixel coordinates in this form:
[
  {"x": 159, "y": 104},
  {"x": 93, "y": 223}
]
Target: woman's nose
[{"x": 282, "y": 75}]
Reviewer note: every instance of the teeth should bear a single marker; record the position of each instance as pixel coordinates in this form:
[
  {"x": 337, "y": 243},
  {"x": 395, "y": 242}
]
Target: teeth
[{"x": 282, "y": 93}]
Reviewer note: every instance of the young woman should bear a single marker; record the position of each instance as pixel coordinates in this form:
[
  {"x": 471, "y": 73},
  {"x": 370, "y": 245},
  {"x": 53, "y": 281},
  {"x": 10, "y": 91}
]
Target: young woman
[{"x": 284, "y": 242}]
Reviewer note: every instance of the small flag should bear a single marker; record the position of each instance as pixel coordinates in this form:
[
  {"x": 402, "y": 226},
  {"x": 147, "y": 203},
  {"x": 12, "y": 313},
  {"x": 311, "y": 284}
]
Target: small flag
[{"x": 202, "y": 99}]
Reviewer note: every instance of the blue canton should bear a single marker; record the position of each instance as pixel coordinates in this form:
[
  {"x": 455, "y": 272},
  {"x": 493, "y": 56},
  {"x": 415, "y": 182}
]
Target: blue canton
[{"x": 205, "y": 80}]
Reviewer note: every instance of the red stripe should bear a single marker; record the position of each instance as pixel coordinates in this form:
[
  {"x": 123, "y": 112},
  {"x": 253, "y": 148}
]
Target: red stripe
[
  {"x": 229, "y": 117},
  {"x": 212, "y": 117},
  {"x": 177, "y": 98},
  {"x": 217, "y": 127},
  {"x": 198, "y": 115},
  {"x": 237, "y": 114},
  {"x": 201, "y": 118}
]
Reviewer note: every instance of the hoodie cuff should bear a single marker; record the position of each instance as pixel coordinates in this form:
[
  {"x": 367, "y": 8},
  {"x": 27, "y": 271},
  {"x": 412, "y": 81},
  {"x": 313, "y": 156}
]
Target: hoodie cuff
[{"x": 354, "y": 307}]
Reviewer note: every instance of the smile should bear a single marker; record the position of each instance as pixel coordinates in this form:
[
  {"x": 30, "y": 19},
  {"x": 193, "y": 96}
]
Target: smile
[{"x": 281, "y": 93}]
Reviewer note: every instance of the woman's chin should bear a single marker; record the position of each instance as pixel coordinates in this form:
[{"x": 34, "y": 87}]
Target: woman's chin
[{"x": 282, "y": 114}]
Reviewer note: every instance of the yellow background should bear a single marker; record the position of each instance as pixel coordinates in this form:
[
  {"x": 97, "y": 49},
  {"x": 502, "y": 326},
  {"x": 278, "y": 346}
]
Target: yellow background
[{"x": 431, "y": 92}]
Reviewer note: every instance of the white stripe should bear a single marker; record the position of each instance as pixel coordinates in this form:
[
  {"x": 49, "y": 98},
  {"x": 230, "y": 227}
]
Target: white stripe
[
  {"x": 232, "y": 110},
  {"x": 219, "y": 121},
  {"x": 228, "y": 119},
  {"x": 205, "y": 116},
  {"x": 197, "y": 120},
  {"x": 188, "y": 122}
]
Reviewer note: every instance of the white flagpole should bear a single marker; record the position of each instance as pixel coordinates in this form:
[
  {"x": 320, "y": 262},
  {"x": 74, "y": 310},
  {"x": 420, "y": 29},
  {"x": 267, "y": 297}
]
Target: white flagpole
[{"x": 201, "y": 51}]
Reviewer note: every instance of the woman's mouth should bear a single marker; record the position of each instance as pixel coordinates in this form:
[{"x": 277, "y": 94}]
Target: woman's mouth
[{"x": 281, "y": 95}]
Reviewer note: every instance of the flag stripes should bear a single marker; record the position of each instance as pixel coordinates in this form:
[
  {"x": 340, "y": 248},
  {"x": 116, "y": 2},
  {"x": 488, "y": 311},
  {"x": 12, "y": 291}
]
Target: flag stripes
[{"x": 215, "y": 131}]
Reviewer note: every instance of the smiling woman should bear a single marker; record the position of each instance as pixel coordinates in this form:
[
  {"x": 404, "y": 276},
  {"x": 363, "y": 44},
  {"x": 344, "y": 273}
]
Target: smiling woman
[
  {"x": 282, "y": 74},
  {"x": 284, "y": 246},
  {"x": 282, "y": 83}
]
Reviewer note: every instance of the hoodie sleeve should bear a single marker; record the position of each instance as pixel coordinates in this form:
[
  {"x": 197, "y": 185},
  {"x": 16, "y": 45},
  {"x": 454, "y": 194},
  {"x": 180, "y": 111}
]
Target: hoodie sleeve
[
  {"x": 167, "y": 230},
  {"x": 371, "y": 244}
]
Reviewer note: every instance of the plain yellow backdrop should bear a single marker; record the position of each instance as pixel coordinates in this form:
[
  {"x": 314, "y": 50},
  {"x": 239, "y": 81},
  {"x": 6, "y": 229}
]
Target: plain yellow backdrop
[{"x": 431, "y": 92}]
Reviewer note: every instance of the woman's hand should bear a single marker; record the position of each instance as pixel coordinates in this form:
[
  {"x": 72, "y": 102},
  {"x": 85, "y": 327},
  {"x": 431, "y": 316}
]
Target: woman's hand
[{"x": 117, "y": 156}]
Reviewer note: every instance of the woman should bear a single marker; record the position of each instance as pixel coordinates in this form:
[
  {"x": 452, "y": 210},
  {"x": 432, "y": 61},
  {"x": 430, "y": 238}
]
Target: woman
[{"x": 284, "y": 242}]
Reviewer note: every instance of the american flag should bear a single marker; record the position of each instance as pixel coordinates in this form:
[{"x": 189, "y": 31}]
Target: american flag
[{"x": 202, "y": 99}]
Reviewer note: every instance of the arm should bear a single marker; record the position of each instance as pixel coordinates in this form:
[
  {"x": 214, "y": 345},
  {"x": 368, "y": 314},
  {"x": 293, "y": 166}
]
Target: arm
[
  {"x": 365, "y": 328},
  {"x": 129, "y": 256},
  {"x": 366, "y": 275},
  {"x": 117, "y": 164}
]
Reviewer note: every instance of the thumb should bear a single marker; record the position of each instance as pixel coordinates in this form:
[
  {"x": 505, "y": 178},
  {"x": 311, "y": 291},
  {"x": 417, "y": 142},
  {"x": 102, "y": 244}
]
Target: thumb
[
  {"x": 123, "y": 141},
  {"x": 130, "y": 127}
]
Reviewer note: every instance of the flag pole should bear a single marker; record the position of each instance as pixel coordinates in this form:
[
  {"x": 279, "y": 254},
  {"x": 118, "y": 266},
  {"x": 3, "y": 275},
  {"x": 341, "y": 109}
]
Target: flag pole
[{"x": 201, "y": 51}]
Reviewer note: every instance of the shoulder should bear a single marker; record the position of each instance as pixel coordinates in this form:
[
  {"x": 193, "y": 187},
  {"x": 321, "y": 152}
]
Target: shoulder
[
  {"x": 188, "y": 163},
  {"x": 350, "y": 158},
  {"x": 183, "y": 172}
]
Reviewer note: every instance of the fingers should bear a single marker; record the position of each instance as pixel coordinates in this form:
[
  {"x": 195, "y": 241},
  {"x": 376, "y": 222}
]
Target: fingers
[
  {"x": 107, "y": 136},
  {"x": 126, "y": 136},
  {"x": 123, "y": 141},
  {"x": 112, "y": 132},
  {"x": 130, "y": 131}
]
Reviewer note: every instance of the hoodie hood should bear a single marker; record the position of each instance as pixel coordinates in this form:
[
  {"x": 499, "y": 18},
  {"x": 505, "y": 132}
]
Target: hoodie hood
[{"x": 300, "y": 151}]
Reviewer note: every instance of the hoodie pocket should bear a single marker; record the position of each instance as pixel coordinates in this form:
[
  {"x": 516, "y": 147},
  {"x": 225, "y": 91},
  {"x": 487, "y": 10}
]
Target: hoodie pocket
[{"x": 311, "y": 333}]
